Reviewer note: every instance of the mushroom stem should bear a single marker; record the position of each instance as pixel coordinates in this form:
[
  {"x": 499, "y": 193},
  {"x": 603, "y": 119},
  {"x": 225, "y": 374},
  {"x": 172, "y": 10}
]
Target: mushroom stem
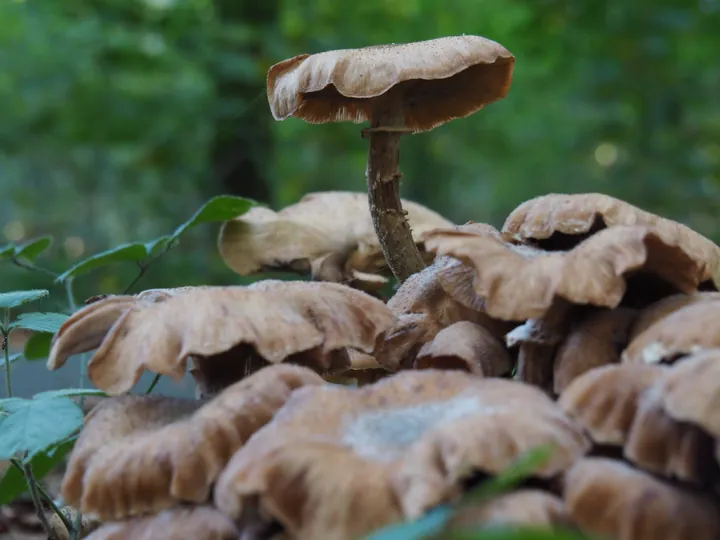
[{"x": 383, "y": 178}]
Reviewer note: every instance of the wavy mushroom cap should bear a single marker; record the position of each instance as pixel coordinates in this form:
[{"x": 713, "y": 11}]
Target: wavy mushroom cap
[
  {"x": 520, "y": 282},
  {"x": 691, "y": 329},
  {"x": 329, "y": 234},
  {"x": 432, "y": 81},
  {"x": 297, "y": 322},
  {"x": 597, "y": 340},
  {"x": 561, "y": 221},
  {"x": 668, "y": 305},
  {"x": 612, "y": 499},
  {"x": 141, "y": 454},
  {"x": 604, "y": 400},
  {"x": 410, "y": 440},
  {"x": 466, "y": 346},
  {"x": 196, "y": 522}
]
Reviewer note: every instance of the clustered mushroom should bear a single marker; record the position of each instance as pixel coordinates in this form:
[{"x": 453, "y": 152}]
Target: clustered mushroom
[{"x": 584, "y": 325}]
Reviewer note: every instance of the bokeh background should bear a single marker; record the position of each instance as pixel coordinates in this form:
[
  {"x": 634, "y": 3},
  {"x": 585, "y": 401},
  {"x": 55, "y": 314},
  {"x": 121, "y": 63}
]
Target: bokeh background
[{"x": 118, "y": 118}]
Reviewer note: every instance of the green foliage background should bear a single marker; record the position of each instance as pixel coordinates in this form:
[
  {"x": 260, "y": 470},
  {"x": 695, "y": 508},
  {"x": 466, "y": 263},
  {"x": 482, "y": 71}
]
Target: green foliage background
[{"x": 120, "y": 117}]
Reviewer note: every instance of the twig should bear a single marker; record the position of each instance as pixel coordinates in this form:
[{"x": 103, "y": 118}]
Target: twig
[
  {"x": 35, "y": 495},
  {"x": 153, "y": 384},
  {"x": 141, "y": 273},
  {"x": 27, "y": 265}
]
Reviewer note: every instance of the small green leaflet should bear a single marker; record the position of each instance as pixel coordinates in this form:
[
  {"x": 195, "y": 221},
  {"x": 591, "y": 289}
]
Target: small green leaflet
[
  {"x": 40, "y": 322},
  {"x": 13, "y": 482},
  {"x": 216, "y": 209},
  {"x": 18, "y": 298},
  {"x": 34, "y": 425},
  {"x": 38, "y": 346},
  {"x": 7, "y": 251},
  {"x": 70, "y": 392},
  {"x": 34, "y": 248},
  {"x": 424, "y": 527}
]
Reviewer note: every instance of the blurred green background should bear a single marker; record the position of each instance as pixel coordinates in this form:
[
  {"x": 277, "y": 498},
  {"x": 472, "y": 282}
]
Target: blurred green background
[{"x": 120, "y": 117}]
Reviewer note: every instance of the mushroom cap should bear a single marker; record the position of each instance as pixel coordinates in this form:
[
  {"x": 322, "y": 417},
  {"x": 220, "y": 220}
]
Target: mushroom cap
[
  {"x": 436, "y": 81},
  {"x": 670, "y": 304},
  {"x": 611, "y": 498},
  {"x": 593, "y": 342},
  {"x": 604, "y": 400},
  {"x": 528, "y": 507},
  {"x": 466, "y": 346},
  {"x": 550, "y": 217},
  {"x": 415, "y": 435},
  {"x": 688, "y": 330},
  {"x": 299, "y": 322},
  {"x": 196, "y": 522},
  {"x": 520, "y": 282},
  {"x": 141, "y": 454},
  {"x": 324, "y": 233}
]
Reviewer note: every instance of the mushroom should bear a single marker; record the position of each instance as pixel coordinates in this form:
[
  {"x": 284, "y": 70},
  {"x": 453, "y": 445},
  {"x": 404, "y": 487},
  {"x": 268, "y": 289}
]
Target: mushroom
[
  {"x": 196, "y": 522},
  {"x": 561, "y": 221},
  {"x": 403, "y": 88},
  {"x": 596, "y": 340},
  {"x": 670, "y": 304},
  {"x": 688, "y": 330},
  {"x": 612, "y": 499},
  {"x": 231, "y": 331},
  {"x": 466, "y": 346},
  {"x": 327, "y": 234},
  {"x": 142, "y": 454},
  {"x": 410, "y": 439}
]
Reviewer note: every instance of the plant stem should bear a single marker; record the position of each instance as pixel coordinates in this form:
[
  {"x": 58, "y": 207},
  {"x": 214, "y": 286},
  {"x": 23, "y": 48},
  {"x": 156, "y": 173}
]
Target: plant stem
[
  {"x": 72, "y": 306},
  {"x": 153, "y": 384},
  {"x": 6, "y": 351},
  {"x": 141, "y": 273},
  {"x": 27, "y": 265},
  {"x": 383, "y": 179},
  {"x": 37, "y": 503}
]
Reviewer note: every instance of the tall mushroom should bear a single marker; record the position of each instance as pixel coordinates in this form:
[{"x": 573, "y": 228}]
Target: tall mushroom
[{"x": 405, "y": 88}]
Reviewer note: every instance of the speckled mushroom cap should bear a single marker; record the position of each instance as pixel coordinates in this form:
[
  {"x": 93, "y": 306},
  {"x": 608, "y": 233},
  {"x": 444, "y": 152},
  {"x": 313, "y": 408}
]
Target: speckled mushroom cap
[
  {"x": 690, "y": 329},
  {"x": 520, "y": 282},
  {"x": 141, "y": 454},
  {"x": 612, "y": 499},
  {"x": 435, "y": 81},
  {"x": 297, "y": 322},
  {"x": 409, "y": 439},
  {"x": 196, "y": 522},
  {"x": 329, "y": 234}
]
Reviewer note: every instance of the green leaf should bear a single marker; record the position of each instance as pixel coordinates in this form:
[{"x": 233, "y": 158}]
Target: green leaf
[
  {"x": 18, "y": 298},
  {"x": 13, "y": 482},
  {"x": 7, "y": 251},
  {"x": 34, "y": 425},
  {"x": 221, "y": 208},
  {"x": 424, "y": 527},
  {"x": 40, "y": 322},
  {"x": 158, "y": 245},
  {"x": 13, "y": 358},
  {"x": 70, "y": 392},
  {"x": 38, "y": 346},
  {"x": 32, "y": 249},
  {"x": 134, "y": 252}
]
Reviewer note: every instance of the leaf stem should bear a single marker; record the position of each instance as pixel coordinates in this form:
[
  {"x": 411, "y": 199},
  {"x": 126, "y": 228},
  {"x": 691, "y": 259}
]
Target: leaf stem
[
  {"x": 6, "y": 352},
  {"x": 27, "y": 265},
  {"x": 37, "y": 503},
  {"x": 153, "y": 384},
  {"x": 141, "y": 273}
]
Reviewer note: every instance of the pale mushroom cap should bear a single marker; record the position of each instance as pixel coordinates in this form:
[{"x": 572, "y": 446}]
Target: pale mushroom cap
[
  {"x": 670, "y": 304},
  {"x": 612, "y": 499},
  {"x": 436, "y": 80}
]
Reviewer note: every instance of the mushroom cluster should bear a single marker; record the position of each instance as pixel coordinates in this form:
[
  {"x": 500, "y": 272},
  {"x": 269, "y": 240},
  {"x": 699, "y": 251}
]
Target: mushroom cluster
[{"x": 584, "y": 326}]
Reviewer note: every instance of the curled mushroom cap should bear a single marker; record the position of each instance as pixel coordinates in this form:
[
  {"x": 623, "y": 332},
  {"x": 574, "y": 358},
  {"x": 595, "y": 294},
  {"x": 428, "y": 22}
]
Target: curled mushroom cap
[
  {"x": 467, "y": 346},
  {"x": 142, "y": 454},
  {"x": 329, "y": 234},
  {"x": 551, "y": 219},
  {"x": 604, "y": 400},
  {"x": 298, "y": 322},
  {"x": 612, "y": 499},
  {"x": 691, "y": 329},
  {"x": 520, "y": 282},
  {"x": 411, "y": 437},
  {"x": 597, "y": 340},
  {"x": 196, "y": 522},
  {"x": 670, "y": 304},
  {"x": 435, "y": 81}
]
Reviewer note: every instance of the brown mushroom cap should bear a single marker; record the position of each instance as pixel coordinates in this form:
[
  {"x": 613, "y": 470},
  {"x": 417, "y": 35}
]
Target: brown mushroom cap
[
  {"x": 529, "y": 507},
  {"x": 520, "y": 282},
  {"x": 611, "y": 498},
  {"x": 604, "y": 400},
  {"x": 595, "y": 341},
  {"x": 466, "y": 346},
  {"x": 142, "y": 454},
  {"x": 551, "y": 217},
  {"x": 329, "y": 234},
  {"x": 670, "y": 304},
  {"x": 299, "y": 322},
  {"x": 196, "y": 522},
  {"x": 414, "y": 436},
  {"x": 688, "y": 330},
  {"x": 435, "y": 81}
]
